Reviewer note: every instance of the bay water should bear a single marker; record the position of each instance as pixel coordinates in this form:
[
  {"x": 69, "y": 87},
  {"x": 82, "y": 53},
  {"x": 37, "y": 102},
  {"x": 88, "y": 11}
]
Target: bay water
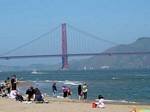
[{"x": 114, "y": 85}]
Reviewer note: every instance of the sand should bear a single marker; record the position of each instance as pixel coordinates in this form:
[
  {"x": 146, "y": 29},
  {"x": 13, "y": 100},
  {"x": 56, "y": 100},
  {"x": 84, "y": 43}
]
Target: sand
[{"x": 63, "y": 105}]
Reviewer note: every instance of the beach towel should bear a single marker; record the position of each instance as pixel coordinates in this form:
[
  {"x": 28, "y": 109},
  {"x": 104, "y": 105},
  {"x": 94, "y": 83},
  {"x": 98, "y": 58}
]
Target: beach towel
[
  {"x": 144, "y": 110},
  {"x": 140, "y": 110}
]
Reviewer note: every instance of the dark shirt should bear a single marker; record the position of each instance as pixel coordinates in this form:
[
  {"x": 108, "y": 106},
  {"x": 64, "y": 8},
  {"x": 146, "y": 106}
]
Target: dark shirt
[
  {"x": 79, "y": 90},
  {"x": 37, "y": 91},
  {"x": 13, "y": 83},
  {"x": 38, "y": 95}
]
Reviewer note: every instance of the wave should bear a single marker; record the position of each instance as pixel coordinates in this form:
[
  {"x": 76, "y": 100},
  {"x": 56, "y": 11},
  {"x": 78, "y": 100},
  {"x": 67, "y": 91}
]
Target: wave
[
  {"x": 141, "y": 75},
  {"x": 66, "y": 82},
  {"x": 119, "y": 101},
  {"x": 38, "y": 73}
]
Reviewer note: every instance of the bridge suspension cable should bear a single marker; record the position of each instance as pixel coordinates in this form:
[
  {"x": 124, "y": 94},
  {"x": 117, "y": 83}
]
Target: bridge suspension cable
[
  {"x": 69, "y": 54},
  {"x": 91, "y": 35},
  {"x": 30, "y": 42}
]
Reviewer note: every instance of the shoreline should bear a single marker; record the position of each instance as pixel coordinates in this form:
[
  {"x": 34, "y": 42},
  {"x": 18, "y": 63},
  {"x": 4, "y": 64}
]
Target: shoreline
[
  {"x": 23, "y": 83},
  {"x": 109, "y": 101},
  {"x": 64, "y": 105}
]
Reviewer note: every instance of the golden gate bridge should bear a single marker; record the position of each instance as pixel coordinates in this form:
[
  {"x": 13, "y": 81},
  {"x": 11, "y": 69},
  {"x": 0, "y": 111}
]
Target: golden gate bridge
[{"x": 64, "y": 47}]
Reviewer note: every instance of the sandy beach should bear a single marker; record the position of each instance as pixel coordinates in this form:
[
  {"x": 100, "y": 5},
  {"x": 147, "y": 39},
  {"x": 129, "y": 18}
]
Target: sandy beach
[{"x": 63, "y": 105}]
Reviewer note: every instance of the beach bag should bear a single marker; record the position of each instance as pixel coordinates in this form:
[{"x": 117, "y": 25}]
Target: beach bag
[{"x": 94, "y": 105}]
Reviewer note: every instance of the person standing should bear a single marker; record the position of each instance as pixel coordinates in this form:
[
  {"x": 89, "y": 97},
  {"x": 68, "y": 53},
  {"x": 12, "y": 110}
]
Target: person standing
[
  {"x": 13, "y": 82},
  {"x": 54, "y": 89},
  {"x": 38, "y": 95},
  {"x": 64, "y": 89},
  {"x": 80, "y": 91},
  {"x": 7, "y": 85},
  {"x": 84, "y": 90}
]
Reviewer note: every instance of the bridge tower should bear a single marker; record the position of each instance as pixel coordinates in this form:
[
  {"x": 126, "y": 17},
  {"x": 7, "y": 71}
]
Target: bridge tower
[{"x": 65, "y": 64}]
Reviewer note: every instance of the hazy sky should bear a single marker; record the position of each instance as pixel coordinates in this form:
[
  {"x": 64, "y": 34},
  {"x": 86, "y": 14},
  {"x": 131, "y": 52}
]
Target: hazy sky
[{"x": 120, "y": 21}]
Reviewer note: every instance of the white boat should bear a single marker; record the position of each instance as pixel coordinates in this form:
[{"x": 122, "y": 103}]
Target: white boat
[{"x": 35, "y": 72}]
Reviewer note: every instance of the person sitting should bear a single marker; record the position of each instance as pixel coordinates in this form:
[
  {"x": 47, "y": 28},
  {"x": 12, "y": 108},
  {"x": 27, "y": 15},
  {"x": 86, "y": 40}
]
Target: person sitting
[
  {"x": 13, "y": 94},
  {"x": 30, "y": 92},
  {"x": 19, "y": 97},
  {"x": 3, "y": 90},
  {"x": 38, "y": 96},
  {"x": 100, "y": 102}
]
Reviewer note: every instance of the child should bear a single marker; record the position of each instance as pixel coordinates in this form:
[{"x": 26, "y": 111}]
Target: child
[{"x": 100, "y": 102}]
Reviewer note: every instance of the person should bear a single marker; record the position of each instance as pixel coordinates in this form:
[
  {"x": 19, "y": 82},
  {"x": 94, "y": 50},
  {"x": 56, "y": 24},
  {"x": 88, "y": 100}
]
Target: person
[
  {"x": 84, "y": 90},
  {"x": 13, "y": 82},
  {"x": 0, "y": 90},
  {"x": 8, "y": 85},
  {"x": 30, "y": 92},
  {"x": 66, "y": 91},
  {"x": 13, "y": 94},
  {"x": 64, "y": 88},
  {"x": 3, "y": 90},
  {"x": 100, "y": 102},
  {"x": 134, "y": 110},
  {"x": 19, "y": 97},
  {"x": 38, "y": 96},
  {"x": 54, "y": 89},
  {"x": 69, "y": 92},
  {"x": 80, "y": 91}
]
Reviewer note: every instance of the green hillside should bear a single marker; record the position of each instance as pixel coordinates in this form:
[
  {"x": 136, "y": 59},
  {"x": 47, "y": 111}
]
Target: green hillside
[{"x": 119, "y": 61}]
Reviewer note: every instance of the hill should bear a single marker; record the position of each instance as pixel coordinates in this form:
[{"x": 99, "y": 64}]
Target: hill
[{"x": 119, "y": 61}]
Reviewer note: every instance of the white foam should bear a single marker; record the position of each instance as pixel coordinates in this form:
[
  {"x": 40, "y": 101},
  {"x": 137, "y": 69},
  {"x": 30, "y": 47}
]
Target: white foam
[
  {"x": 118, "y": 101},
  {"x": 67, "y": 82}
]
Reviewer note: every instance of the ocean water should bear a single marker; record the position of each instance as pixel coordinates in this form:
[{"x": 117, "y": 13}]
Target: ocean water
[{"x": 116, "y": 85}]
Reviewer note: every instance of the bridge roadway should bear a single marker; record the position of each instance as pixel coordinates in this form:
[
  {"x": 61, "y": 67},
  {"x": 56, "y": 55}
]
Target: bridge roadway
[{"x": 74, "y": 55}]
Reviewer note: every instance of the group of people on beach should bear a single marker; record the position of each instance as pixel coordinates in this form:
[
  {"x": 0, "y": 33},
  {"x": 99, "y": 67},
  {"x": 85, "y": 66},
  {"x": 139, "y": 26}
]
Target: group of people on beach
[
  {"x": 65, "y": 89},
  {"x": 82, "y": 94},
  {"x": 34, "y": 94},
  {"x": 9, "y": 89},
  {"x": 82, "y": 91},
  {"x": 8, "y": 86}
]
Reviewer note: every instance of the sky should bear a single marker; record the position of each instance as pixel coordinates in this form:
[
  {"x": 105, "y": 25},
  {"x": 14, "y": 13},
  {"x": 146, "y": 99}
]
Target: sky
[{"x": 120, "y": 21}]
